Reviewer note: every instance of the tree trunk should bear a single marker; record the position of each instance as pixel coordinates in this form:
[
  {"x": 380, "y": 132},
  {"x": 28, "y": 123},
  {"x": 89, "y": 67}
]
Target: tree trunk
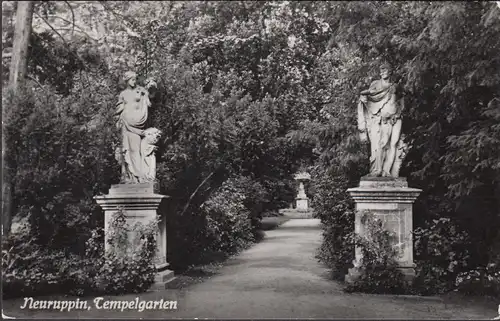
[
  {"x": 17, "y": 73},
  {"x": 19, "y": 62}
]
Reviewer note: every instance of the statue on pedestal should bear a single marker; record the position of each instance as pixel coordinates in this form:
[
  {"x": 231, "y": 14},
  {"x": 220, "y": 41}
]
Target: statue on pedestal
[
  {"x": 136, "y": 196},
  {"x": 302, "y": 201},
  {"x": 136, "y": 153},
  {"x": 383, "y": 193},
  {"x": 379, "y": 121}
]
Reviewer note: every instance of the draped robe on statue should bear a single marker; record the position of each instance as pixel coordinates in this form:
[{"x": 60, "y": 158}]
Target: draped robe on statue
[
  {"x": 132, "y": 108},
  {"x": 379, "y": 117}
]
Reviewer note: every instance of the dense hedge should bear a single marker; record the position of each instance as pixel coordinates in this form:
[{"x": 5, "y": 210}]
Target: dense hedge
[{"x": 225, "y": 224}]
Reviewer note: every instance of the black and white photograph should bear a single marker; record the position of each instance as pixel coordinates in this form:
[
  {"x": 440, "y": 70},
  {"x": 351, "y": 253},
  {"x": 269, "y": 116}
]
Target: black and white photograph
[{"x": 251, "y": 160}]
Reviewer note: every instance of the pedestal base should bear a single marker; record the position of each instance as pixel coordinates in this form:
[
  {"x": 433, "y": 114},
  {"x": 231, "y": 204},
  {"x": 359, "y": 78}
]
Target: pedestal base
[
  {"x": 390, "y": 200},
  {"x": 163, "y": 277},
  {"x": 302, "y": 204},
  {"x": 140, "y": 204},
  {"x": 408, "y": 272},
  {"x": 355, "y": 273}
]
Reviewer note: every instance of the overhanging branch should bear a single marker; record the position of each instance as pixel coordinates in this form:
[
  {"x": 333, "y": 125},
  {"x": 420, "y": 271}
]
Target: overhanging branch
[
  {"x": 64, "y": 40},
  {"x": 196, "y": 191},
  {"x": 72, "y": 16}
]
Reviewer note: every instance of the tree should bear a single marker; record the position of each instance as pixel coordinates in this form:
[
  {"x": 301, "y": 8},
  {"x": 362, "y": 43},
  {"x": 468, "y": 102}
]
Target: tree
[
  {"x": 22, "y": 34},
  {"x": 19, "y": 63}
]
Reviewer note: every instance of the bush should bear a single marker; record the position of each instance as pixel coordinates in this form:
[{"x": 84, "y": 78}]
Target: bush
[
  {"x": 480, "y": 281},
  {"x": 483, "y": 280},
  {"x": 127, "y": 267},
  {"x": 335, "y": 209},
  {"x": 27, "y": 268},
  {"x": 64, "y": 143},
  {"x": 78, "y": 275},
  {"x": 222, "y": 225},
  {"x": 231, "y": 215},
  {"x": 256, "y": 197},
  {"x": 380, "y": 273},
  {"x": 441, "y": 253}
]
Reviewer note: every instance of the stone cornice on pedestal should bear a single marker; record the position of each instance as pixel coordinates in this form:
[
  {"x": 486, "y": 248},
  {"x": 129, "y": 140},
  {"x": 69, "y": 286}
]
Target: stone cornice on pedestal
[
  {"x": 130, "y": 197},
  {"x": 137, "y": 201},
  {"x": 384, "y": 189},
  {"x": 384, "y": 195}
]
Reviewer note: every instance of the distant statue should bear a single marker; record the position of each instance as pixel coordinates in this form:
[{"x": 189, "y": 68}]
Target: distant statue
[
  {"x": 132, "y": 114},
  {"x": 379, "y": 121}
]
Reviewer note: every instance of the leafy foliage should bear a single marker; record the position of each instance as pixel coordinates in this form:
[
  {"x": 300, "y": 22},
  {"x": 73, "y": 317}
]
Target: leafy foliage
[
  {"x": 485, "y": 279},
  {"x": 379, "y": 268},
  {"x": 442, "y": 252},
  {"x": 27, "y": 268},
  {"x": 61, "y": 150},
  {"x": 481, "y": 281},
  {"x": 229, "y": 220},
  {"x": 127, "y": 267},
  {"x": 226, "y": 223},
  {"x": 336, "y": 211}
]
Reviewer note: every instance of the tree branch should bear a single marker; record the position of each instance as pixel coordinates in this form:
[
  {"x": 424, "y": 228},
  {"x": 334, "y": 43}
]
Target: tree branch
[
  {"x": 37, "y": 82},
  {"x": 196, "y": 191},
  {"x": 105, "y": 6},
  {"x": 53, "y": 29},
  {"x": 74, "y": 25},
  {"x": 83, "y": 32},
  {"x": 120, "y": 17},
  {"x": 72, "y": 16},
  {"x": 64, "y": 40}
]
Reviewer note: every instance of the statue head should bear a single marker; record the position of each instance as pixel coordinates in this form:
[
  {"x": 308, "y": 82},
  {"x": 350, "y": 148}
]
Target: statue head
[
  {"x": 385, "y": 70},
  {"x": 130, "y": 78},
  {"x": 152, "y": 135}
]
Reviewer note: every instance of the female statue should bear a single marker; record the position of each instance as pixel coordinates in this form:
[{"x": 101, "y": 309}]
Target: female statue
[
  {"x": 132, "y": 113},
  {"x": 379, "y": 116}
]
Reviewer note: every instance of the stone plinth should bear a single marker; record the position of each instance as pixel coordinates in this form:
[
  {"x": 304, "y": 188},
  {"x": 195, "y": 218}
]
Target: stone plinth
[
  {"x": 302, "y": 204},
  {"x": 391, "y": 200},
  {"x": 140, "y": 203},
  {"x": 302, "y": 201}
]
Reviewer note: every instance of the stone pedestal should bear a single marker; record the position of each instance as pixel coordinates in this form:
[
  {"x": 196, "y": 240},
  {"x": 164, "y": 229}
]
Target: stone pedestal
[
  {"x": 302, "y": 201},
  {"x": 391, "y": 200},
  {"x": 302, "y": 204},
  {"x": 140, "y": 203}
]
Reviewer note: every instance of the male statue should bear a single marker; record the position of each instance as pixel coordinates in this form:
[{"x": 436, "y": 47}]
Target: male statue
[{"x": 379, "y": 120}]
